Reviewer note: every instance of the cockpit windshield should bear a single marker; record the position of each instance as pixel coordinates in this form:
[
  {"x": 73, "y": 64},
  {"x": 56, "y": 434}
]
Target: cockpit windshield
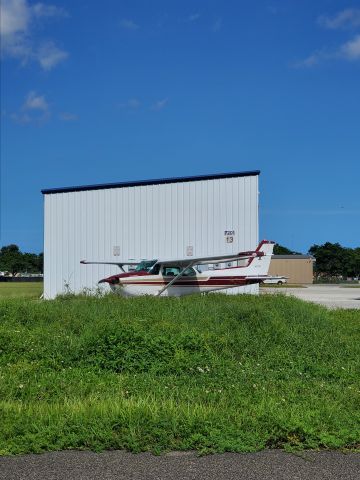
[{"x": 145, "y": 265}]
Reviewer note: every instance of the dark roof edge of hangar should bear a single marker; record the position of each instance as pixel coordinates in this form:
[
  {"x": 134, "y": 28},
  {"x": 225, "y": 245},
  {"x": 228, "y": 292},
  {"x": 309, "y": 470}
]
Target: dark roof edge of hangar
[{"x": 158, "y": 181}]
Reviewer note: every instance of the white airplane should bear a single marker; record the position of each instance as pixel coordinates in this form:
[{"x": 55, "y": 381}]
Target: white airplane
[{"x": 177, "y": 277}]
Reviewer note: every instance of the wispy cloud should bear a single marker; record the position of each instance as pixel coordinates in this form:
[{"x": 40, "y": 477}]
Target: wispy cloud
[
  {"x": 351, "y": 49},
  {"x": 160, "y": 104},
  {"x": 131, "y": 104},
  {"x": 49, "y": 55},
  {"x": 42, "y": 10},
  {"x": 35, "y": 102},
  {"x": 17, "y": 22},
  {"x": 310, "y": 61},
  {"x": 68, "y": 117},
  {"x": 347, "y": 18},
  {"x": 193, "y": 17},
  {"x": 128, "y": 24},
  {"x": 35, "y": 109},
  {"x": 348, "y": 51},
  {"x": 218, "y": 24},
  {"x": 134, "y": 104}
]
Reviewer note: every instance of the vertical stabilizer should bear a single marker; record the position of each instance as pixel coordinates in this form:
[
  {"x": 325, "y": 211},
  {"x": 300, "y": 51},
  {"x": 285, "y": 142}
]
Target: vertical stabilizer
[{"x": 259, "y": 266}]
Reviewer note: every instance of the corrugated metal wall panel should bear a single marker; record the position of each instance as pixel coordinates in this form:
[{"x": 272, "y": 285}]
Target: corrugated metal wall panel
[{"x": 147, "y": 221}]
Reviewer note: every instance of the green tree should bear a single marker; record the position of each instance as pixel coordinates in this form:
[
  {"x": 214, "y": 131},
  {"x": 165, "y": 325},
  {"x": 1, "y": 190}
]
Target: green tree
[
  {"x": 31, "y": 261},
  {"x": 40, "y": 263},
  {"x": 11, "y": 259},
  {"x": 280, "y": 250},
  {"x": 354, "y": 263},
  {"x": 14, "y": 261},
  {"x": 334, "y": 260}
]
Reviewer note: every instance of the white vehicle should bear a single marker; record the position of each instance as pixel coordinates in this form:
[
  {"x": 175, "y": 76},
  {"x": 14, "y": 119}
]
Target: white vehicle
[
  {"x": 279, "y": 280},
  {"x": 177, "y": 277}
]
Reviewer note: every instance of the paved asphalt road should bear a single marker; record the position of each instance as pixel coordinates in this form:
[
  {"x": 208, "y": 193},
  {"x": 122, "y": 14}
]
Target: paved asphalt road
[
  {"x": 119, "y": 465},
  {"x": 331, "y": 296}
]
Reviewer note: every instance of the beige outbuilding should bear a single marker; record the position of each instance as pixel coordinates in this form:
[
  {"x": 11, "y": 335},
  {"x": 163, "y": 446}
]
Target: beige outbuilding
[{"x": 297, "y": 268}]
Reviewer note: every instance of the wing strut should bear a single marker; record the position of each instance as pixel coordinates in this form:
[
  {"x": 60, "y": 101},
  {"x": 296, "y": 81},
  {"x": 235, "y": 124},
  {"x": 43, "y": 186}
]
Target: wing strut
[{"x": 175, "y": 278}]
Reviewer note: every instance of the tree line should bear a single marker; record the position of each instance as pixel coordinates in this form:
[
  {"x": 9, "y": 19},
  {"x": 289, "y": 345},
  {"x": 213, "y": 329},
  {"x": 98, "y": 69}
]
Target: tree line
[
  {"x": 13, "y": 260},
  {"x": 332, "y": 259}
]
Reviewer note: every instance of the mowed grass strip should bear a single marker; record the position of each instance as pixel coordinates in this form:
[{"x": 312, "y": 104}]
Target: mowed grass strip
[
  {"x": 211, "y": 373},
  {"x": 21, "y": 289}
]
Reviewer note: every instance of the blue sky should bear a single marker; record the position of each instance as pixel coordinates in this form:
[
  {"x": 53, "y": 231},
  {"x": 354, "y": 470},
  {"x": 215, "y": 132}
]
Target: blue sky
[{"x": 113, "y": 91}]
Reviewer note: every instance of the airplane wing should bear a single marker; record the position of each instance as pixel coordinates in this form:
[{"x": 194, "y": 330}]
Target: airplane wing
[
  {"x": 85, "y": 262},
  {"x": 212, "y": 259},
  {"x": 120, "y": 264},
  {"x": 260, "y": 251}
]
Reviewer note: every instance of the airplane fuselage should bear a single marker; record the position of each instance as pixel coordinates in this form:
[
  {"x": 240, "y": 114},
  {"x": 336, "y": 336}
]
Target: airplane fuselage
[
  {"x": 177, "y": 277},
  {"x": 143, "y": 283}
]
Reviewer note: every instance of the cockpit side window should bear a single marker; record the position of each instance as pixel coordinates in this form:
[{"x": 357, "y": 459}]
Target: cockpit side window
[
  {"x": 170, "y": 271},
  {"x": 189, "y": 272},
  {"x": 145, "y": 265}
]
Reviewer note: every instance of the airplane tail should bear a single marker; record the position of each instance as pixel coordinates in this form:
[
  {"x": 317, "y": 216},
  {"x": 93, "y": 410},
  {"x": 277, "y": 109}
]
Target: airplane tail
[
  {"x": 256, "y": 267},
  {"x": 259, "y": 266}
]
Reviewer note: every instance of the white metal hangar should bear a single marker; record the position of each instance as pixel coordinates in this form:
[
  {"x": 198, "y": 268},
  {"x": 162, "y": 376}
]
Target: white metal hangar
[{"x": 169, "y": 217}]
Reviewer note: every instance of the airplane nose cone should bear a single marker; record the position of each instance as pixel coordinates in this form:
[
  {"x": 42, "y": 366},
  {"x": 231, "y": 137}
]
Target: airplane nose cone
[{"x": 111, "y": 280}]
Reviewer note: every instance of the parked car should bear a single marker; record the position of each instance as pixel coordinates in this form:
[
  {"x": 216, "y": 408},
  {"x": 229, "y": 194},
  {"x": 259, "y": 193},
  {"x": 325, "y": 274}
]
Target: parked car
[{"x": 278, "y": 280}]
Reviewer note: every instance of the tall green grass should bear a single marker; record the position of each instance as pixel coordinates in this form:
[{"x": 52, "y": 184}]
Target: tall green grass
[{"x": 212, "y": 373}]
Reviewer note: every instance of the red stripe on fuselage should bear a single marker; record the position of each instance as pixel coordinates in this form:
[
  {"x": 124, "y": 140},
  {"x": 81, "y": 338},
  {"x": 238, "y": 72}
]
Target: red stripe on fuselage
[{"x": 211, "y": 281}]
